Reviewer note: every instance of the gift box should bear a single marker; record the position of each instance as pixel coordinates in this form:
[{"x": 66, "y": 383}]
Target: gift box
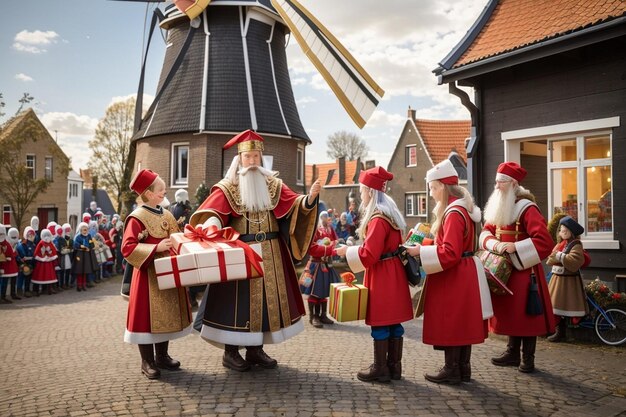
[
  {"x": 348, "y": 302},
  {"x": 176, "y": 271}
]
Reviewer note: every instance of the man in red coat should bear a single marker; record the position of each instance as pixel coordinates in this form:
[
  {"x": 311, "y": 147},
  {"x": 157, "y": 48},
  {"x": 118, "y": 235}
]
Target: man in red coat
[
  {"x": 254, "y": 202},
  {"x": 514, "y": 225}
]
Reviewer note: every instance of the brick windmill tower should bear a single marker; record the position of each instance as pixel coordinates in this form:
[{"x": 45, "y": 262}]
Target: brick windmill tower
[{"x": 225, "y": 71}]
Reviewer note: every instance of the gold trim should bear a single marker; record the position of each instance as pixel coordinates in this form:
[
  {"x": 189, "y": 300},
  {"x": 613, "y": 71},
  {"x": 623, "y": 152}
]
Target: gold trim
[
  {"x": 168, "y": 308},
  {"x": 141, "y": 253},
  {"x": 250, "y": 145},
  {"x": 218, "y": 325}
]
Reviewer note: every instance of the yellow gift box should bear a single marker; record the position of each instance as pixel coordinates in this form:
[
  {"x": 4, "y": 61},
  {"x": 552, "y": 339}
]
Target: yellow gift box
[{"x": 348, "y": 302}]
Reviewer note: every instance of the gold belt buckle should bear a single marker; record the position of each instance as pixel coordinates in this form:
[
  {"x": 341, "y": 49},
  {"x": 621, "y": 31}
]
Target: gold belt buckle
[{"x": 260, "y": 236}]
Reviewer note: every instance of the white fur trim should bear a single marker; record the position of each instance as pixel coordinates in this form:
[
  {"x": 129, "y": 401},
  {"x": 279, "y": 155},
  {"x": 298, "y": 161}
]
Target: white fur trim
[
  {"x": 353, "y": 259},
  {"x": 487, "y": 240},
  {"x": 503, "y": 177},
  {"x": 430, "y": 260},
  {"x": 213, "y": 221},
  {"x": 567, "y": 313},
  {"x": 149, "y": 338},
  {"x": 218, "y": 337},
  {"x": 526, "y": 254},
  {"x": 483, "y": 287}
]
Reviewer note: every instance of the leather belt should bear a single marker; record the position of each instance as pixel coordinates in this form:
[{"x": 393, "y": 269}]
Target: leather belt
[{"x": 259, "y": 236}]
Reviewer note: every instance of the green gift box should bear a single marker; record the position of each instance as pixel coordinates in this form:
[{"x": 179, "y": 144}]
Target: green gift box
[{"x": 348, "y": 302}]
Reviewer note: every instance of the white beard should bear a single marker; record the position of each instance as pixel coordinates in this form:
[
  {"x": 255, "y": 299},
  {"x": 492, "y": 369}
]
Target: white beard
[
  {"x": 255, "y": 195},
  {"x": 500, "y": 207}
]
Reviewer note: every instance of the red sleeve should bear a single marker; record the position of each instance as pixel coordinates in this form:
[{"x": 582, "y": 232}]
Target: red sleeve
[
  {"x": 317, "y": 251},
  {"x": 535, "y": 226},
  {"x": 218, "y": 203},
  {"x": 374, "y": 244},
  {"x": 130, "y": 244},
  {"x": 450, "y": 241},
  {"x": 286, "y": 202}
]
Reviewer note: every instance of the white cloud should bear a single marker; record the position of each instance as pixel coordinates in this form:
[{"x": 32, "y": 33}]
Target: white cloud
[
  {"x": 73, "y": 133},
  {"x": 305, "y": 100},
  {"x": 147, "y": 100},
  {"x": 23, "y": 77},
  {"x": 32, "y": 42}
]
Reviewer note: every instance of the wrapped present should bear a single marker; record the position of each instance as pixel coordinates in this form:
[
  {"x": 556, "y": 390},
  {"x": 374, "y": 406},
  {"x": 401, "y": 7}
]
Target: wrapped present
[
  {"x": 420, "y": 234},
  {"x": 217, "y": 255},
  {"x": 176, "y": 271},
  {"x": 348, "y": 301}
]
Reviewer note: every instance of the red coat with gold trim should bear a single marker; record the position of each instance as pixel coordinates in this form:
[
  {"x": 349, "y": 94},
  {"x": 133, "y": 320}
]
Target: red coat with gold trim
[{"x": 9, "y": 266}]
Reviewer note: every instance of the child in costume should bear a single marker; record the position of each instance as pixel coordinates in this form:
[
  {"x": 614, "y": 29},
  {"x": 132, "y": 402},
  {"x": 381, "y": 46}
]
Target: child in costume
[
  {"x": 566, "y": 285},
  {"x": 64, "y": 246},
  {"x": 13, "y": 237},
  {"x": 46, "y": 257},
  {"x": 26, "y": 261},
  {"x": 8, "y": 266},
  {"x": 154, "y": 316},
  {"x": 84, "y": 259}
]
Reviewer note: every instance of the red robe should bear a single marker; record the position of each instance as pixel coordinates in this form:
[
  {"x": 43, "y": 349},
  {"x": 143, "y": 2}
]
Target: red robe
[
  {"x": 9, "y": 266},
  {"x": 533, "y": 244},
  {"x": 453, "y": 313},
  {"x": 46, "y": 260},
  {"x": 389, "y": 298},
  {"x": 318, "y": 249}
]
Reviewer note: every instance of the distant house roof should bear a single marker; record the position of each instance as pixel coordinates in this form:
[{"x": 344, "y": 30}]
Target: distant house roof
[
  {"x": 323, "y": 171},
  {"x": 102, "y": 199},
  {"x": 443, "y": 136},
  {"x": 506, "y": 26},
  {"x": 74, "y": 176}
]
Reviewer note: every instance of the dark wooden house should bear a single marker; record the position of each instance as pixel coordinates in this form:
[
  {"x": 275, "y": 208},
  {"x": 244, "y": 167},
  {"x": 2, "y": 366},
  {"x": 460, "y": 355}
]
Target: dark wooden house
[
  {"x": 423, "y": 144},
  {"x": 549, "y": 80}
]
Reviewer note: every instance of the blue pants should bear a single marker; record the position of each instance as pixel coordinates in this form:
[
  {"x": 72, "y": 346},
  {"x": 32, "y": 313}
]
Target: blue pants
[{"x": 385, "y": 332}]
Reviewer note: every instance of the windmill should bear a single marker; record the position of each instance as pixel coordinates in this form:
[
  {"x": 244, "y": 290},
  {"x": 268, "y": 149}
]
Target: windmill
[{"x": 225, "y": 70}]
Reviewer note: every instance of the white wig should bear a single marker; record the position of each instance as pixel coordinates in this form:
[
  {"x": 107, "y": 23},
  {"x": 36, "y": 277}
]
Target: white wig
[{"x": 384, "y": 204}]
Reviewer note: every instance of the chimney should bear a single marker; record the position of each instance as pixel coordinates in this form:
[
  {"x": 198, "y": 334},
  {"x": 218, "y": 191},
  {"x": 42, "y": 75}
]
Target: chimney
[
  {"x": 342, "y": 169},
  {"x": 411, "y": 114}
]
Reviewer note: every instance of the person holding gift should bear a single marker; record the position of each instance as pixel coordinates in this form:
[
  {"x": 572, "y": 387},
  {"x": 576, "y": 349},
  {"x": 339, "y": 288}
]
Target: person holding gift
[
  {"x": 389, "y": 300},
  {"x": 154, "y": 316},
  {"x": 457, "y": 302},
  {"x": 566, "y": 287},
  {"x": 256, "y": 203},
  {"x": 514, "y": 226},
  {"x": 322, "y": 272}
]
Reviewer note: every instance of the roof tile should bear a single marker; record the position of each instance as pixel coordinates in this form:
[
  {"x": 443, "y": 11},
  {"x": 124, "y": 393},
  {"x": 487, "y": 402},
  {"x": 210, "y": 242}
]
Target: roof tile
[{"x": 443, "y": 136}]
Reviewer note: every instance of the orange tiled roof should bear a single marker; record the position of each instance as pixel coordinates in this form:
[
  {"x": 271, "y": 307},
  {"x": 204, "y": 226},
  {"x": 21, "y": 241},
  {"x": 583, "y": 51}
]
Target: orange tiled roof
[
  {"x": 322, "y": 173},
  {"x": 518, "y": 23},
  {"x": 443, "y": 136}
]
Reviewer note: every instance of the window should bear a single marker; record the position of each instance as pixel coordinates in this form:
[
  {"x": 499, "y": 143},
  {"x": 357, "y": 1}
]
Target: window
[
  {"x": 580, "y": 170},
  {"x": 48, "y": 169},
  {"x": 73, "y": 190},
  {"x": 6, "y": 214},
  {"x": 300, "y": 166},
  {"x": 180, "y": 163},
  {"x": 411, "y": 156},
  {"x": 415, "y": 204},
  {"x": 30, "y": 165}
]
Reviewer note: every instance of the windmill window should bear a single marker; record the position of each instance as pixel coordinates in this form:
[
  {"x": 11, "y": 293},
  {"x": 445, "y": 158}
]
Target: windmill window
[
  {"x": 180, "y": 164},
  {"x": 300, "y": 166}
]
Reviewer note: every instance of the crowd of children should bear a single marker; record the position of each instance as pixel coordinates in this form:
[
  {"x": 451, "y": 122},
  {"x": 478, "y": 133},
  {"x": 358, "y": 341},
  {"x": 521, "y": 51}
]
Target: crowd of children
[{"x": 55, "y": 259}]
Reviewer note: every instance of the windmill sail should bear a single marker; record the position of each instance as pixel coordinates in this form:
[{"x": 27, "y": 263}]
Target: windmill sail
[{"x": 356, "y": 90}]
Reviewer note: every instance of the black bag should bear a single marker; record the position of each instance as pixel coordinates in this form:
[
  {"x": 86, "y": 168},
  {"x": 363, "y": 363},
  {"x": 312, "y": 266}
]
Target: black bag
[{"x": 410, "y": 263}]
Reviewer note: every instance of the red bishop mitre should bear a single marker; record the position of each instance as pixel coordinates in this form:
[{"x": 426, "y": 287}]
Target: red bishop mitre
[
  {"x": 143, "y": 180},
  {"x": 246, "y": 141},
  {"x": 375, "y": 178},
  {"x": 443, "y": 172},
  {"x": 509, "y": 171}
]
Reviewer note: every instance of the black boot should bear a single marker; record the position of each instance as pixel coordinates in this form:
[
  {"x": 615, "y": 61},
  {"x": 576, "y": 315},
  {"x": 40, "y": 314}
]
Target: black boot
[
  {"x": 323, "y": 317},
  {"x": 148, "y": 367},
  {"x": 511, "y": 356},
  {"x": 450, "y": 373},
  {"x": 394, "y": 357},
  {"x": 529, "y": 345},
  {"x": 378, "y": 371},
  {"x": 233, "y": 360},
  {"x": 163, "y": 360},
  {"x": 313, "y": 318},
  {"x": 559, "y": 336},
  {"x": 255, "y": 355},
  {"x": 464, "y": 363}
]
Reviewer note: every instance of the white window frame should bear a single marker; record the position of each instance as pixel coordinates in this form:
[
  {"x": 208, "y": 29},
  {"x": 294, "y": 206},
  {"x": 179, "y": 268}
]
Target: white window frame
[
  {"x": 407, "y": 155},
  {"x": 300, "y": 165},
  {"x": 34, "y": 167},
  {"x": 579, "y": 130},
  {"x": 176, "y": 180},
  {"x": 48, "y": 172},
  {"x": 412, "y": 199}
]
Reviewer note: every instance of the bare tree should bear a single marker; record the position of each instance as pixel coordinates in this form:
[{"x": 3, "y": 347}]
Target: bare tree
[
  {"x": 110, "y": 150},
  {"x": 17, "y": 183},
  {"x": 346, "y": 144}
]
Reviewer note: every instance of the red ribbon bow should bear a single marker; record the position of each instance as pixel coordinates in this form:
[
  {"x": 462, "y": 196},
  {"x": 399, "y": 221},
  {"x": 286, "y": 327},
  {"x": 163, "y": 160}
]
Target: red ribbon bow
[{"x": 348, "y": 278}]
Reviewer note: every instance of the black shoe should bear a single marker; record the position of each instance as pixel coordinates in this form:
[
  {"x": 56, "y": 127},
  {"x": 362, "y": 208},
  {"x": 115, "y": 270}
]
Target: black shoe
[
  {"x": 150, "y": 370},
  {"x": 233, "y": 360},
  {"x": 255, "y": 355}
]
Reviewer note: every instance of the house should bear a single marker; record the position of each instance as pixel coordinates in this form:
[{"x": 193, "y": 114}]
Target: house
[
  {"x": 423, "y": 144},
  {"x": 340, "y": 181},
  {"x": 102, "y": 199},
  {"x": 550, "y": 94},
  {"x": 44, "y": 159},
  {"x": 74, "y": 199}
]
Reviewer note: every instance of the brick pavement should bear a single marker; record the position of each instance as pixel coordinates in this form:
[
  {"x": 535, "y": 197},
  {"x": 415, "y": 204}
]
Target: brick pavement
[{"x": 63, "y": 355}]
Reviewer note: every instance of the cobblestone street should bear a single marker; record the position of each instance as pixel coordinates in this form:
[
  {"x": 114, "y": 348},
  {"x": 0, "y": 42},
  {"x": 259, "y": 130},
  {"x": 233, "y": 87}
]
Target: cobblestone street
[{"x": 64, "y": 355}]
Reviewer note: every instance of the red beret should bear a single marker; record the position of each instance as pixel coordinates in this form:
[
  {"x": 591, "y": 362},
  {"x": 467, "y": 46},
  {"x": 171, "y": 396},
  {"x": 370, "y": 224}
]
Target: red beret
[
  {"x": 375, "y": 178},
  {"x": 143, "y": 180},
  {"x": 513, "y": 170},
  {"x": 247, "y": 140}
]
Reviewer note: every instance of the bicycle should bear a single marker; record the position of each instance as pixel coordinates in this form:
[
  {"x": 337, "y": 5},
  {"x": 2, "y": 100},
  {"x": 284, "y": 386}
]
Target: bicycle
[{"x": 610, "y": 324}]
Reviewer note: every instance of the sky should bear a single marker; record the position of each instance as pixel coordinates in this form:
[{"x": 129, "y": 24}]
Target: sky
[{"x": 77, "y": 58}]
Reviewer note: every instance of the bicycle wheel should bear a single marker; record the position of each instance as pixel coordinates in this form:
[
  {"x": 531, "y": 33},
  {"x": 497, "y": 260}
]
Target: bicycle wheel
[{"x": 614, "y": 334}]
